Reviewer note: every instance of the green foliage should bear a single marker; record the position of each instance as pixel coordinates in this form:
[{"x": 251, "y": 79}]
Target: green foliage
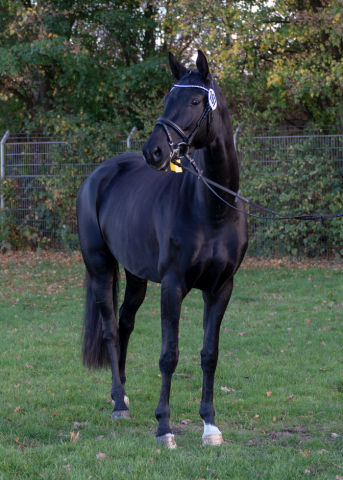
[{"x": 298, "y": 180}]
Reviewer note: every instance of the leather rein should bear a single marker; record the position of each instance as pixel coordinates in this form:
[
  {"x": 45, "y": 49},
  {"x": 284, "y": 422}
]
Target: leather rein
[{"x": 180, "y": 150}]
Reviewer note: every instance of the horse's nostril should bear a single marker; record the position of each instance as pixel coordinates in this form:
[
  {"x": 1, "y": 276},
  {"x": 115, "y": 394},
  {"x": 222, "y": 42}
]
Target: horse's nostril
[{"x": 157, "y": 153}]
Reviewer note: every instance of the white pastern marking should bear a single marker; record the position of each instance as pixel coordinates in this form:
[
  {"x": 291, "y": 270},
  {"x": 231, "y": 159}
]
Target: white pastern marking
[{"x": 210, "y": 430}]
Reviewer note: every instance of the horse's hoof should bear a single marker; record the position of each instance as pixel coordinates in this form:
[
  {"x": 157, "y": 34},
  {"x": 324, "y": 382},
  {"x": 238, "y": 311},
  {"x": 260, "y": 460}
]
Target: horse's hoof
[
  {"x": 119, "y": 414},
  {"x": 213, "y": 439},
  {"x": 167, "y": 440}
]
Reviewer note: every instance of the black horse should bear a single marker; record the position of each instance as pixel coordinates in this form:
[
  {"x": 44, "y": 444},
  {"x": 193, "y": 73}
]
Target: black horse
[{"x": 167, "y": 228}]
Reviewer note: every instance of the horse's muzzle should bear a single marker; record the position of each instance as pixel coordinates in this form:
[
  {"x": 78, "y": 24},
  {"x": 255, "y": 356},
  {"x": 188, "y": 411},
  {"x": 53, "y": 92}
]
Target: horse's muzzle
[{"x": 155, "y": 157}]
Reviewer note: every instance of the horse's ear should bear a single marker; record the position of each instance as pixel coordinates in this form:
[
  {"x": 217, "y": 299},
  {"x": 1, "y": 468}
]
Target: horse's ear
[
  {"x": 202, "y": 65},
  {"x": 177, "y": 69}
]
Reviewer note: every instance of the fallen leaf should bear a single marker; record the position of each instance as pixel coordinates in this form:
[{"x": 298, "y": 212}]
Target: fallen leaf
[
  {"x": 334, "y": 435},
  {"x": 322, "y": 343},
  {"x": 60, "y": 435},
  {"x": 101, "y": 455},
  {"x": 152, "y": 460},
  {"x": 309, "y": 413},
  {"x": 101, "y": 437},
  {"x": 308, "y": 320},
  {"x": 306, "y": 454},
  {"x": 274, "y": 418},
  {"x": 307, "y": 472},
  {"x": 54, "y": 413},
  {"x": 186, "y": 421},
  {"x": 28, "y": 365},
  {"x": 74, "y": 437},
  {"x": 282, "y": 350},
  {"x": 326, "y": 328},
  {"x": 67, "y": 467},
  {"x": 269, "y": 394},
  {"x": 16, "y": 410},
  {"x": 228, "y": 390},
  {"x": 16, "y": 440},
  {"x": 256, "y": 416},
  {"x": 78, "y": 425},
  {"x": 290, "y": 398},
  {"x": 241, "y": 334}
]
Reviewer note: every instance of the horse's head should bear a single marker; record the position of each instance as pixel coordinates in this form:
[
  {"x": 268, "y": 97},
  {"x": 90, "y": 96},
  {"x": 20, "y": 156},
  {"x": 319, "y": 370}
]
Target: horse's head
[{"x": 189, "y": 111}]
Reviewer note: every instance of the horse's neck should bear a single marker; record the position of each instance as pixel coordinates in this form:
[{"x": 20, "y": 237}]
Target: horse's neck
[{"x": 219, "y": 164}]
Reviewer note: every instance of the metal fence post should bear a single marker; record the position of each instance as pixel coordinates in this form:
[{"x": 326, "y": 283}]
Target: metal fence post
[
  {"x": 236, "y": 135},
  {"x": 3, "y": 141},
  {"x": 128, "y": 140}
]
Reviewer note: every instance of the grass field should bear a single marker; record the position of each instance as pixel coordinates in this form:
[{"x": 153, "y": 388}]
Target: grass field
[{"x": 278, "y": 389}]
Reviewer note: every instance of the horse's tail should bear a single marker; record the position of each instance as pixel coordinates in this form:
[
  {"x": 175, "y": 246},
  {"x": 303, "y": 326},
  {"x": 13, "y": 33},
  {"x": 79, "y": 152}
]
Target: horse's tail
[{"x": 95, "y": 351}]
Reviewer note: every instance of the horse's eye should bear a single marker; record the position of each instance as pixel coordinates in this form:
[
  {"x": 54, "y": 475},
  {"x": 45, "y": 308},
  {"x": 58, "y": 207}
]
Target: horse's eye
[{"x": 195, "y": 102}]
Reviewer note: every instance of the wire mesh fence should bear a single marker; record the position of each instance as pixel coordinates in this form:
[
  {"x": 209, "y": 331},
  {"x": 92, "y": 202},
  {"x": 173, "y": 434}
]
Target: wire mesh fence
[{"x": 36, "y": 164}]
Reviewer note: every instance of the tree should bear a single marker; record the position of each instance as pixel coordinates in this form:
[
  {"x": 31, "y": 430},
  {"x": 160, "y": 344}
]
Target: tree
[
  {"x": 280, "y": 61},
  {"x": 276, "y": 62}
]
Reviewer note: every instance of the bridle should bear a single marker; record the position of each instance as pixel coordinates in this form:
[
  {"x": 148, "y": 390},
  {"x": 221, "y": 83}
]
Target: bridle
[{"x": 179, "y": 150}]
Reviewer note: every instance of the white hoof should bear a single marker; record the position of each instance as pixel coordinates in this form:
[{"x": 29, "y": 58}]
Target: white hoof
[
  {"x": 212, "y": 435},
  {"x": 167, "y": 440}
]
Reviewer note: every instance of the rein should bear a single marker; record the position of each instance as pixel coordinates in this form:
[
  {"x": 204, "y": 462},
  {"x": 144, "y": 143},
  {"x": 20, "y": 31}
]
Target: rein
[{"x": 237, "y": 195}]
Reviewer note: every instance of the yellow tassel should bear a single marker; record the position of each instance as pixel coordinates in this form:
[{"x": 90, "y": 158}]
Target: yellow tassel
[{"x": 175, "y": 168}]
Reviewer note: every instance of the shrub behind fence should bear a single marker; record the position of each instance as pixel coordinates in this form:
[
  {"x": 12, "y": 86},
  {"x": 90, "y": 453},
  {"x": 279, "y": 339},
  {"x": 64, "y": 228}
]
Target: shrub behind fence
[{"x": 287, "y": 172}]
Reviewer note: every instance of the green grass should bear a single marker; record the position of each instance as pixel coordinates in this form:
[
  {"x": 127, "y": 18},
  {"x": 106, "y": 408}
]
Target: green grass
[{"x": 292, "y": 347}]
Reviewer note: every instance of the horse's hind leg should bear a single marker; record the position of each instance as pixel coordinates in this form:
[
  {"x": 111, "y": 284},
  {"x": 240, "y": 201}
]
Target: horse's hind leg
[
  {"x": 103, "y": 271},
  {"x": 134, "y": 296},
  {"x": 215, "y": 306}
]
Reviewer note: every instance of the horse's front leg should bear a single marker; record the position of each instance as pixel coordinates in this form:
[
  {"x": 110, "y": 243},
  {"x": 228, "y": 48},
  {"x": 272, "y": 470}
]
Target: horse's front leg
[
  {"x": 171, "y": 298},
  {"x": 215, "y": 306}
]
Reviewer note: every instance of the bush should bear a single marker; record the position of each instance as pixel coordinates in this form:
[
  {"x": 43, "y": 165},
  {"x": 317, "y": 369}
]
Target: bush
[{"x": 298, "y": 180}]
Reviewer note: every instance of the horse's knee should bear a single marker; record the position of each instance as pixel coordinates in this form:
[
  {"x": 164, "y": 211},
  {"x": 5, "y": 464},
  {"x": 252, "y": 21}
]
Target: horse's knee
[
  {"x": 168, "y": 361},
  {"x": 209, "y": 361}
]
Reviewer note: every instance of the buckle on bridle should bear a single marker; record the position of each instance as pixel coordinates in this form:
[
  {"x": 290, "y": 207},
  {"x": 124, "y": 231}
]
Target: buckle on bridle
[{"x": 180, "y": 151}]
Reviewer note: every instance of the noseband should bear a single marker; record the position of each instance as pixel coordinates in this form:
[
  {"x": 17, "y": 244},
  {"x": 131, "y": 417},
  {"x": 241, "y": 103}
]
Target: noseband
[{"x": 180, "y": 149}]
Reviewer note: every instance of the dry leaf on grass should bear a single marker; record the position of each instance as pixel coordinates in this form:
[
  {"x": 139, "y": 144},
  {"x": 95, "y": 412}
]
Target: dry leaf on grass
[
  {"x": 307, "y": 472},
  {"x": 241, "y": 334},
  {"x": 74, "y": 437},
  {"x": 78, "y": 425},
  {"x": 256, "y": 416},
  {"x": 101, "y": 455},
  {"x": 186, "y": 421},
  {"x": 101, "y": 437},
  {"x": 228, "y": 390},
  {"x": 152, "y": 460},
  {"x": 334, "y": 435},
  {"x": 274, "y": 418},
  {"x": 290, "y": 398},
  {"x": 269, "y": 394},
  {"x": 16, "y": 410}
]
